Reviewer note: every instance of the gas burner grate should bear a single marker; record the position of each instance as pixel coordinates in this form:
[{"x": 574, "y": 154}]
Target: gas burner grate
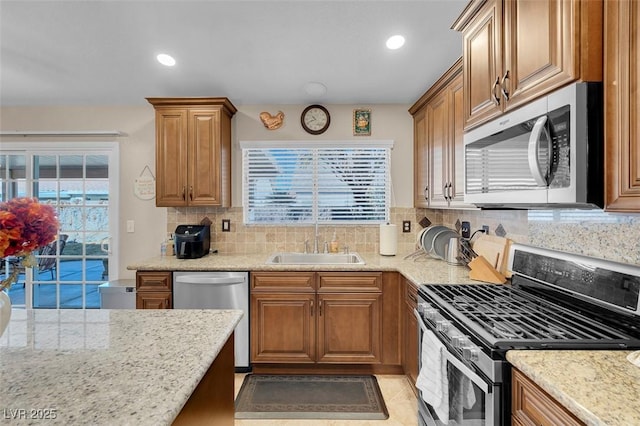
[{"x": 508, "y": 317}]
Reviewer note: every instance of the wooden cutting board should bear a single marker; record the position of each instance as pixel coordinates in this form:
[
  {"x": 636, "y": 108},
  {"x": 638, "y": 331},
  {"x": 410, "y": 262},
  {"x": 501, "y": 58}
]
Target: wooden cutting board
[{"x": 495, "y": 250}]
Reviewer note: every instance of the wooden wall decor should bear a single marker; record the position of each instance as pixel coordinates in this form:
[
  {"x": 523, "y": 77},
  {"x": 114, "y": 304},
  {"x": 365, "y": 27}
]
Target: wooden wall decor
[{"x": 272, "y": 122}]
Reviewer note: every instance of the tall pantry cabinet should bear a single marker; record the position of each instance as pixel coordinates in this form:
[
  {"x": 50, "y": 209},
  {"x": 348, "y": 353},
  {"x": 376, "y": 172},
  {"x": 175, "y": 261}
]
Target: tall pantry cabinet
[
  {"x": 193, "y": 151},
  {"x": 622, "y": 106}
]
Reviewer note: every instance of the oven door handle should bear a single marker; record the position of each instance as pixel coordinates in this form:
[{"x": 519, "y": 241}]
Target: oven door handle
[{"x": 477, "y": 380}]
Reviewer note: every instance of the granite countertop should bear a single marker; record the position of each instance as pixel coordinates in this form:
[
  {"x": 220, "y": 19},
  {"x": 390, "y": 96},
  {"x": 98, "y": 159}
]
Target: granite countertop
[
  {"x": 421, "y": 270},
  {"x": 598, "y": 387},
  {"x": 106, "y": 366}
]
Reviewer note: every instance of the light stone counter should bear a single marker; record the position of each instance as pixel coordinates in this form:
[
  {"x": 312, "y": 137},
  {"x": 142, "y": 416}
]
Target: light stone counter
[
  {"x": 115, "y": 367},
  {"x": 423, "y": 270},
  {"x": 599, "y": 387}
]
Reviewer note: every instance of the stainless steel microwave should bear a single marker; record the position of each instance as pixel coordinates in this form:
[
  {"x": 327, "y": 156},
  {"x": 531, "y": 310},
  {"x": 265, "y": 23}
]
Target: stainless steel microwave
[{"x": 546, "y": 154}]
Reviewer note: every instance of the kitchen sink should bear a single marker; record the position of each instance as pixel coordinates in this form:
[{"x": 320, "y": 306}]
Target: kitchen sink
[{"x": 315, "y": 259}]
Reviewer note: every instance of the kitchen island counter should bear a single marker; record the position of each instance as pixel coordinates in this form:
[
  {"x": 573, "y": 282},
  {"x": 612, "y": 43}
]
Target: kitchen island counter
[
  {"x": 598, "y": 387},
  {"x": 109, "y": 366}
]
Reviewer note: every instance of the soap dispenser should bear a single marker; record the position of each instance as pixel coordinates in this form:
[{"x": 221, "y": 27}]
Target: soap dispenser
[{"x": 334, "y": 243}]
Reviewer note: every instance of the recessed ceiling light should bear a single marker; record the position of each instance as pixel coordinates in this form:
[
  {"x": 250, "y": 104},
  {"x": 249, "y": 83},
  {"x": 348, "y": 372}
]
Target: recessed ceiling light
[
  {"x": 315, "y": 88},
  {"x": 395, "y": 42},
  {"x": 166, "y": 60}
]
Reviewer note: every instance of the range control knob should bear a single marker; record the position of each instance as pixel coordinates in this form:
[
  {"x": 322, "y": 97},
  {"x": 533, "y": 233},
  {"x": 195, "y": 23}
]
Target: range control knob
[
  {"x": 442, "y": 326},
  {"x": 422, "y": 307},
  {"x": 431, "y": 313},
  {"x": 459, "y": 341},
  {"x": 470, "y": 353}
]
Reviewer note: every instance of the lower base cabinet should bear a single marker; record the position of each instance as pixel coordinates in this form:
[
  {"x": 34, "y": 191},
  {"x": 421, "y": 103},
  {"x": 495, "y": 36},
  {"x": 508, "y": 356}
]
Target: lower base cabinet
[
  {"x": 327, "y": 318},
  {"x": 531, "y": 405},
  {"x": 410, "y": 348},
  {"x": 154, "y": 290}
]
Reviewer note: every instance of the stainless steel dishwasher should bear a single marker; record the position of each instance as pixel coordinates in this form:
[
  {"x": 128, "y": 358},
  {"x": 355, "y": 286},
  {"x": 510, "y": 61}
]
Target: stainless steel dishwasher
[{"x": 217, "y": 290}]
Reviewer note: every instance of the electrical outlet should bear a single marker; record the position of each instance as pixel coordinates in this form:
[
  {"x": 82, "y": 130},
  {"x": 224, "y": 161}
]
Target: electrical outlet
[
  {"x": 485, "y": 228},
  {"x": 466, "y": 229},
  {"x": 406, "y": 226},
  {"x": 226, "y": 225}
]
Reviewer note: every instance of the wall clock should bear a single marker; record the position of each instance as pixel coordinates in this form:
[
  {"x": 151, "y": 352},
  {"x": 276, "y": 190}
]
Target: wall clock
[{"x": 315, "y": 119}]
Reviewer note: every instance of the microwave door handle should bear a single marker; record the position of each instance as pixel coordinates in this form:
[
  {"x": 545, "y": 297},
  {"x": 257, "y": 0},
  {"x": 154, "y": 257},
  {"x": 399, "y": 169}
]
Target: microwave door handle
[
  {"x": 477, "y": 380},
  {"x": 534, "y": 145}
]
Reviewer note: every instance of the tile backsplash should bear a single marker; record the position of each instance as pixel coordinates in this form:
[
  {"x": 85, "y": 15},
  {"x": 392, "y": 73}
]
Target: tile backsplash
[{"x": 590, "y": 232}]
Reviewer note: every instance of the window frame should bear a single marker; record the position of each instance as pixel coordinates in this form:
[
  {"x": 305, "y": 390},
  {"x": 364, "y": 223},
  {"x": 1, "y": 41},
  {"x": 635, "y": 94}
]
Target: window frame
[{"x": 317, "y": 147}]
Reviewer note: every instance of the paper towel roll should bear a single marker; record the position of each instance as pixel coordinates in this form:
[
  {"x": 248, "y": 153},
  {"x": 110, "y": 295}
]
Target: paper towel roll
[{"x": 388, "y": 239}]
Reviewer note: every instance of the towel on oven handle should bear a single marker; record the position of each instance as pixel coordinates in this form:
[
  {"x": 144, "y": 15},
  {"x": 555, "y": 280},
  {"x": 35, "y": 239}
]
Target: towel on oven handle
[{"x": 432, "y": 380}]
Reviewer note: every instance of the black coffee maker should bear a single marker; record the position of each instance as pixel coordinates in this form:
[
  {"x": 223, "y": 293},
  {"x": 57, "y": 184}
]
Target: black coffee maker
[{"x": 192, "y": 241}]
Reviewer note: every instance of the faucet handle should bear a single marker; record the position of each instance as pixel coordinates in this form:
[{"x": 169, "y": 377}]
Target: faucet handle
[
  {"x": 345, "y": 249},
  {"x": 326, "y": 247},
  {"x": 306, "y": 245}
]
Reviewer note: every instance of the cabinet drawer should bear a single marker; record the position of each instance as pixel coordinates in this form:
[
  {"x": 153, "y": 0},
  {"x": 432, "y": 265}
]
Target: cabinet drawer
[
  {"x": 300, "y": 282},
  {"x": 153, "y": 281},
  {"x": 349, "y": 282},
  {"x": 533, "y": 406},
  {"x": 410, "y": 294}
]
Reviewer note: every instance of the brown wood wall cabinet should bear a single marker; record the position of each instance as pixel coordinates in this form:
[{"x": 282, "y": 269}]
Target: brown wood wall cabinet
[
  {"x": 324, "y": 319},
  {"x": 517, "y": 50},
  {"x": 154, "y": 290},
  {"x": 438, "y": 143},
  {"x": 193, "y": 151},
  {"x": 622, "y": 106},
  {"x": 531, "y": 405}
]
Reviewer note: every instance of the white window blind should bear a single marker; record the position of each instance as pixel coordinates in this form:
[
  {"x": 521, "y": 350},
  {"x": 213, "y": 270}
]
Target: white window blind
[{"x": 323, "y": 182}]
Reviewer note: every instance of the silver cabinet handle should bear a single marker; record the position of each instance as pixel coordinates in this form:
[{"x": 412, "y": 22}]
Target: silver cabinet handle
[
  {"x": 426, "y": 193},
  {"x": 503, "y": 89},
  {"x": 538, "y": 130},
  {"x": 495, "y": 97}
]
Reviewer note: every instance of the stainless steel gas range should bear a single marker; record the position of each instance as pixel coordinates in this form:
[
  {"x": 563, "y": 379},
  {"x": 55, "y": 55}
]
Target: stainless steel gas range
[{"x": 556, "y": 301}]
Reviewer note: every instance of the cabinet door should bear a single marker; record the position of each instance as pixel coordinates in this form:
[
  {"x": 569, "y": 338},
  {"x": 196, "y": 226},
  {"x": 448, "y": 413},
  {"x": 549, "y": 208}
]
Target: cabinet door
[
  {"x": 204, "y": 158},
  {"x": 171, "y": 157},
  {"x": 154, "y": 300},
  {"x": 482, "y": 64},
  {"x": 283, "y": 328},
  {"x": 421, "y": 160},
  {"x": 456, "y": 159},
  {"x": 349, "y": 328},
  {"x": 410, "y": 333},
  {"x": 533, "y": 406},
  {"x": 540, "y": 52},
  {"x": 438, "y": 136},
  {"x": 622, "y": 94}
]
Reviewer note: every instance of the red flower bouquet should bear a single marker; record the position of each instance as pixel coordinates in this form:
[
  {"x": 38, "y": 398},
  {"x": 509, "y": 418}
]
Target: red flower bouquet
[{"x": 25, "y": 226}]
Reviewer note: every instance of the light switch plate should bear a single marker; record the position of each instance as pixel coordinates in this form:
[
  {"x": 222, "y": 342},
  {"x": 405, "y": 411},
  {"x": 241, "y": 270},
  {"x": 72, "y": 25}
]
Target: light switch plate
[
  {"x": 131, "y": 226},
  {"x": 226, "y": 225}
]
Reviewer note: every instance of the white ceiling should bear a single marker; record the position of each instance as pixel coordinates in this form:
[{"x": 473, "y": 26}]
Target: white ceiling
[{"x": 102, "y": 52}]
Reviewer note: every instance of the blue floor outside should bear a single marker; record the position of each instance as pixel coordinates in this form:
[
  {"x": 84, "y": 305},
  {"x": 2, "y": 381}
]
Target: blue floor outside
[{"x": 44, "y": 293}]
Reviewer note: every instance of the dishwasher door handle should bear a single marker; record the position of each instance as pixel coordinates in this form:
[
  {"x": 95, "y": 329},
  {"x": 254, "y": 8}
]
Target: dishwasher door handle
[{"x": 194, "y": 279}]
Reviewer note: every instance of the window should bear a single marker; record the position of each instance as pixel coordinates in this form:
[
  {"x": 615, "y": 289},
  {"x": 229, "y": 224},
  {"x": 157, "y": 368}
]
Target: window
[
  {"x": 308, "y": 182},
  {"x": 79, "y": 181}
]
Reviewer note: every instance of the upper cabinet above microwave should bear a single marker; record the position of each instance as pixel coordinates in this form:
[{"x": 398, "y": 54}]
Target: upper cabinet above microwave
[
  {"x": 193, "y": 151},
  {"x": 517, "y": 50}
]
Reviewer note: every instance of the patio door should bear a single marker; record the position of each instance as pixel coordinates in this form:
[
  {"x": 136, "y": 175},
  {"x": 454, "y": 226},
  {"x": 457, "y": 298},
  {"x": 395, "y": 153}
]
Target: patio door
[{"x": 80, "y": 181}]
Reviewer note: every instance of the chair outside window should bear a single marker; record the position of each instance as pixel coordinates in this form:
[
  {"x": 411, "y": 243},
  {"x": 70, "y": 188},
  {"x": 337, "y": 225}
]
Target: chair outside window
[{"x": 49, "y": 263}]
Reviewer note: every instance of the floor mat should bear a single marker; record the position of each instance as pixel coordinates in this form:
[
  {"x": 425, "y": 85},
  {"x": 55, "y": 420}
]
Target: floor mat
[{"x": 310, "y": 397}]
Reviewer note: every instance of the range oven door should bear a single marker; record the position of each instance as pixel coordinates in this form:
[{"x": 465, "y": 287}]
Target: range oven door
[{"x": 471, "y": 399}]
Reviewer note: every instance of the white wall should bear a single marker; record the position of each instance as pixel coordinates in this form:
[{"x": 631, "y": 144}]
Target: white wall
[
  {"x": 387, "y": 122},
  {"x": 137, "y": 150}
]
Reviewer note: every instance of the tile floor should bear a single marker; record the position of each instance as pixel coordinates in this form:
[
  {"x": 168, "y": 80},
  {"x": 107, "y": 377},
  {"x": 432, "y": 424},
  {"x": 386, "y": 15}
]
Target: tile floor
[{"x": 397, "y": 393}]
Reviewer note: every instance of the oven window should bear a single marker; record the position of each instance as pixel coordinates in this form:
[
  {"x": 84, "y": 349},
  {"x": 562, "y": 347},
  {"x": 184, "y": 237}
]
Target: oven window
[{"x": 465, "y": 404}]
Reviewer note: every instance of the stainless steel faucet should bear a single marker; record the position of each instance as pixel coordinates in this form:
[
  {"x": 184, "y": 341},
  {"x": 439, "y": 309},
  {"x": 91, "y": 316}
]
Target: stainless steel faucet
[{"x": 315, "y": 239}]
